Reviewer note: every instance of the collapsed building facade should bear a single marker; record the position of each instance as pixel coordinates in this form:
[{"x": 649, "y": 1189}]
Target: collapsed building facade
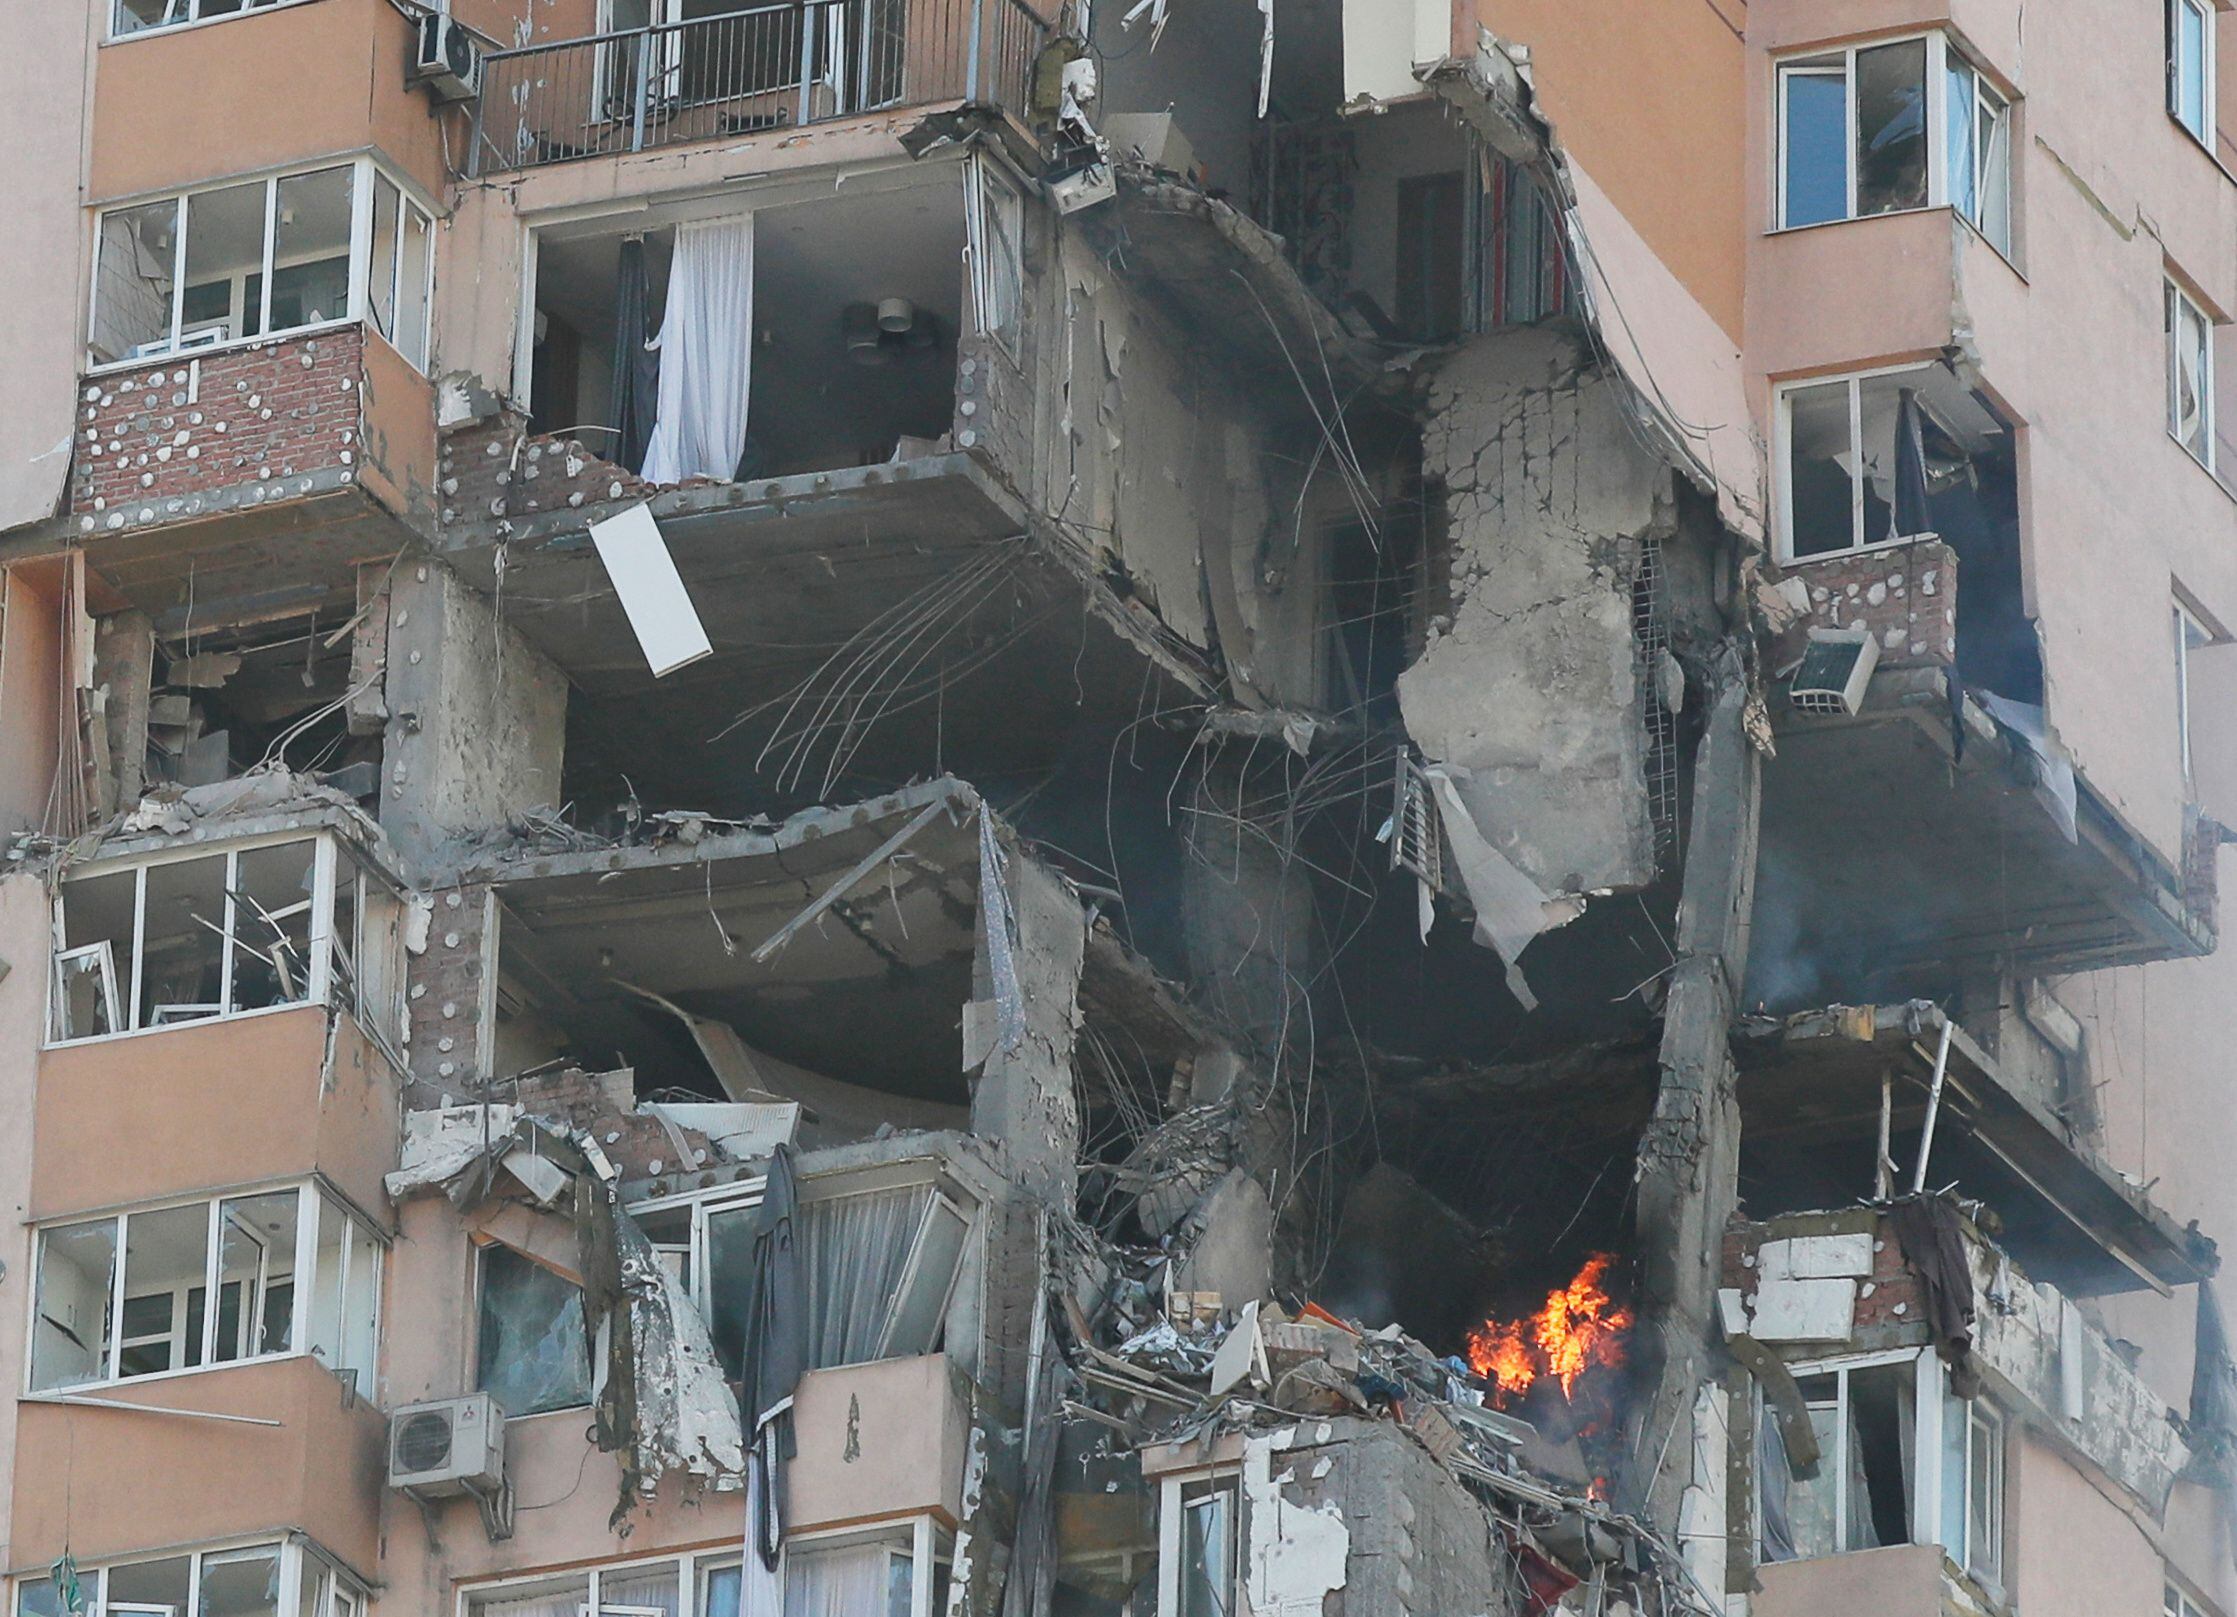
[{"x": 974, "y": 808}]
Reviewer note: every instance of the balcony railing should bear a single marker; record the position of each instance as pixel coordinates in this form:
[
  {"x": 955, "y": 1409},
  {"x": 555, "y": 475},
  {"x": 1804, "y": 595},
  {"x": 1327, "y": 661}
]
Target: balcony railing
[{"x": 766, "y": 67}]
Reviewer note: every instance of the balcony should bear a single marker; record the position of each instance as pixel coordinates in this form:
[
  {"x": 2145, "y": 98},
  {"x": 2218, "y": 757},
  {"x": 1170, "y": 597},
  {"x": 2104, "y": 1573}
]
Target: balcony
[
  {"x": 767, "y": 67},
  {"x": 249, "y": 482},
  {"x": 294, "y": 1449},
  {"x": 1901, "y": 1580},
  {"x": 213, "y": 1103},
  {"x": 878, "y": 1441}
]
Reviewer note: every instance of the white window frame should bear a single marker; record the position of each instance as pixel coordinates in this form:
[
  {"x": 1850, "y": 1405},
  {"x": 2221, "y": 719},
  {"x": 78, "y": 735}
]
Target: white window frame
[
  {"x": 1941, "y": 54},
  {"x": 2190, "y": 634},
  {"x": 303, "y": 1278},
  {"x": 2177, "y": 68},
  {"x": 919, "y": 1537},
  {"x": 337, "y": 1584},
  {"x": 1990, "y": 103},
  {"x": 1171, "y": 1504},
  {"x": 2177, "y": 1601},
  {"x": 330, "y": 864},
  {"x": 189, "y": 17},
  {"x": 1932, "y": 1401},
  {"x": 421, "y": 353},
  {"x": 1782, "y": 470},
  {"x": 358, "y": 304},
  {"x": 2183, "y": 309}
]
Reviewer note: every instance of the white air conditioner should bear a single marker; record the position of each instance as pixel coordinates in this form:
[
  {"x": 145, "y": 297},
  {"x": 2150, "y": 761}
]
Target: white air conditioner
[
  {"x": 448, "y": 1448},
  {"x": 450, "y": 63},
  {"x": 1834, "y": 672}
]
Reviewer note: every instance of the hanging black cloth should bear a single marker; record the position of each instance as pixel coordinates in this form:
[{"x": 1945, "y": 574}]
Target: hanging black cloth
[
  {"x": 776, "y": 1347},
  {"x": 636, "y": 367},
  {"x": 1932, "y": 1237}
]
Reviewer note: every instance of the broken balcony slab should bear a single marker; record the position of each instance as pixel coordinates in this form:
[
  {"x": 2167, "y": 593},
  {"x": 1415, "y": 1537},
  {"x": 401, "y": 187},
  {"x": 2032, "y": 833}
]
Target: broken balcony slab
[
  {"x": 1973, "y": 870},
  {"x": 1810, "y": 1085},
  {"x": 871, "y": 909}
]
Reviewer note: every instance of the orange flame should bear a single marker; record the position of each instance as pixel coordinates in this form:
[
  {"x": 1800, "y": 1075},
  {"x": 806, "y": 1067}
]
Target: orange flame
[{"x": 1580, "y": 1327}]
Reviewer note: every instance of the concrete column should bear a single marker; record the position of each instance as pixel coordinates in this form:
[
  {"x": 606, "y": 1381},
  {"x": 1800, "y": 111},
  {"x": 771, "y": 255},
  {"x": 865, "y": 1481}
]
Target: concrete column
[{"x": 477, "y": 717}]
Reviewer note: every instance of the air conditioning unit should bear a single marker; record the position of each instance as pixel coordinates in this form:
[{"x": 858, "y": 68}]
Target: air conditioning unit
[
  {"x": 450, "y": 63},
  {"x": 446, "y": 1449},
  {"x": 1834, "y": 672}
]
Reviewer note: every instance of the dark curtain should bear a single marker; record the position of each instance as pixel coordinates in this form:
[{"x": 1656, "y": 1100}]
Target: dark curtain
[
  {"x": 636, "y": 367},
  {"x": 1911, "y": 515}
]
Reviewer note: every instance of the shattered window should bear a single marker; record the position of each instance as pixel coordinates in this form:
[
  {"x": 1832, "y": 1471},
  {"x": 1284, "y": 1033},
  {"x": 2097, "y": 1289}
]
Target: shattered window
[
  {"x": 241, "y": 1583},
  {"x": 77, "y": 1274},
  {"x": 1846, "y": 452},
  {"x": 1868, "y": 1427},
  {"x": 869, "y": 1296},
  {"x": 256, "y": 1275},
  {"x": 182, "y": 947},
  {"x": 272, "y": 899},
  {"x": 150, "y": 1585},
  {"x": 1820, "y": 494},
  {"x": 2190, "y": 375},
  {"x": 93, "y": 969},
  {"x": 134, "y": 276},
  {"x": 1205, "y": 1543},
  {"x": 1891, "y": 127},
  {"x": 1978, "y": 152},
  {"x": 532, "y": 1354}
]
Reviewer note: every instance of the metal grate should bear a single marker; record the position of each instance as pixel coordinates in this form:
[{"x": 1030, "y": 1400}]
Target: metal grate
[
  {"x": 1417, "y": 833},
  {"x": 1650, "y": 635}
]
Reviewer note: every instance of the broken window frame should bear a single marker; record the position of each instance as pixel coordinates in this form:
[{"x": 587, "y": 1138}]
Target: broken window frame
[
  {"x": 1933, "y": 1404},
  {"x": 821, "y": 1190},
  {"x": 1180, "y": 1492},
  {"x": 329, "y": 972},
  {"x": 2188, "y": 323},
  {"x": 994, "y": 220},
  {"x": 1782, "y": 470},
  {"x": 2187, "y": 74},
  {"x": 180, "y": 337},
  {"x": 336, "y": 1591},
  {"x": 593, "y": 1361},
  {"x": 1945, "y": 62},
  {"x": 302, "y": 1280}
]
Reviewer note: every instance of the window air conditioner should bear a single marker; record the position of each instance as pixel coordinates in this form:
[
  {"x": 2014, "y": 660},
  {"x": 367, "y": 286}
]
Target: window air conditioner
[
  {"x": 1834, "y": 671},
  {"x": 445, "y": 1449},
  {"x": 450, "y": 63}
]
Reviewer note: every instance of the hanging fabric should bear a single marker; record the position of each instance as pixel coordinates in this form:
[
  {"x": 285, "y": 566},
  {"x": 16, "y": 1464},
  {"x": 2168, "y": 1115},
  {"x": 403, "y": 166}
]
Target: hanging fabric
[
  {"x": 706, "y": 354},
  {"x": 775, "y": 1357},
  {"x": 856, "y": 1251},
  {"x": 636, "y": 361},
  {"x": 840, "y": 1583}
]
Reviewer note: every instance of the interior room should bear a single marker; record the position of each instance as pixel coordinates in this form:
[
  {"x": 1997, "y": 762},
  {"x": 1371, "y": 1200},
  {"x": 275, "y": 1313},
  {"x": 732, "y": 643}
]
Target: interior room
[{"x": 857, "y": 300}]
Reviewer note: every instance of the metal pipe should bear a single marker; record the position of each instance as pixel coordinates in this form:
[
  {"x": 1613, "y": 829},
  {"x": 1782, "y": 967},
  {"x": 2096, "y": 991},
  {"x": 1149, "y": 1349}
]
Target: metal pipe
[
  {"x": 1933, "y": 1105},
  {"x": 1883, "y": 1164},
  {"x": 146, "y": 1409}
]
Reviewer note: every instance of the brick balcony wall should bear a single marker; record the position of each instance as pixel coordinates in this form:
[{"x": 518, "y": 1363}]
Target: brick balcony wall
[
  {"x": 190, "y": 435},
  {"x": 1906, "y": 595},
  {"x": 496, "y": 470}
]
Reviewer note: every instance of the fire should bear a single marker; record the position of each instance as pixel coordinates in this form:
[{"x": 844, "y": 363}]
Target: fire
[{"x": 1579, "y": 1327}]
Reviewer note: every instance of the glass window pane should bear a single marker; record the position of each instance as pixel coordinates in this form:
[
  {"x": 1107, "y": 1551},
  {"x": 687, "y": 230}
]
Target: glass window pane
[
  {"x": 241, "y": 1583},
  {"x": 1995, "y": 141},
  {"x": 1818, "y": 487},
  {"x": 412, "y": 288},
  {"x": 1960, "y": 150},
  {"x": 919, "y": 1312},
  {"x": 312, "y": 1578},
  {"x": 93, "y": 979},
  {"x": 165, "y": 1255},
  {"x": 36, "y": 1597},
  {"x": 272, "y": 926},
  {"x": 224, "y": 256},
  {"x": 151, "y": 1583},
  {"x": 633, "y": 1590},
  {"x": 1879, "y": 407},
  {"x": 343, "y": 955},
  {"x": 1954, "y": 1444},
  {"x": 311, "y": 249},
  {"x": 1891, "y": 127},
  {"x": 1985, "y": 1497},
  {"x": 1207, "y": 1531},
  {"x": 133, "y": 280},
  {"x": 729, "y": 1282},
  {"x": 718, "y": 1592},
  {"x": 1815, "y": 143},
  {"x": 256, "y": 1274},
  {"x": 380, "y": 289},
  {"x": 76, "y": 1276},
  {"x": 2190, "y": 66},
  {"x": 531, "y": 1351},
  {"x": 183, "y": 942}
]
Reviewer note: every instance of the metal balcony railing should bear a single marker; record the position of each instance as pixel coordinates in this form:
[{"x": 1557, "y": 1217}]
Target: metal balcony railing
[{"x": 760, "y": 67}]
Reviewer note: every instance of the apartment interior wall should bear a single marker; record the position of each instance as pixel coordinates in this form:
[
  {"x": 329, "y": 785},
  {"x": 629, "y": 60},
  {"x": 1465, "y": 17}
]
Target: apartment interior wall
[{"x": 1414, "y": 139}]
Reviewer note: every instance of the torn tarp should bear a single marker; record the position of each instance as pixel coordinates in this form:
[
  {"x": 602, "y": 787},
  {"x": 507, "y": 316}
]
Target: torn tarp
[
  {"x": 661, "y": 1401},
  {"x": 1510, "y": 910}
]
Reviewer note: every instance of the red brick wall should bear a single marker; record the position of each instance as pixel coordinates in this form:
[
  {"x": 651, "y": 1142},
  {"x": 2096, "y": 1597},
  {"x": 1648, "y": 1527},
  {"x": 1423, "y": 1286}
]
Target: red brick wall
[
  {"x": 1890, "y": 1286},
  {"x": 192, "y": 434},
  {"x": 497, "y": 469},
  {"x": 1906, "y": 595}
]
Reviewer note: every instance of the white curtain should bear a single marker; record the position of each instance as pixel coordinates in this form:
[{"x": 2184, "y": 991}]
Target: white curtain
[
  {"x": 647, "y": 1589},
  {"x": 758, "y": 1590},
  {"x": 706, "y": 354},
  {"x": 838, "y": 1583},
  {"x": 854, "y": 1249},
  {"x": 567, "y": 1601}
]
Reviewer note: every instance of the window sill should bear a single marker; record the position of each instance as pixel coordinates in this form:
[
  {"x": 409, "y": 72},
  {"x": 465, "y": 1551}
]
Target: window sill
[
  {"x": 179, "y": 356},
  {"x": 176, "y": 1027},
  {"x": 1877, "y": 547},
  {"x": 166, "y": 30}
]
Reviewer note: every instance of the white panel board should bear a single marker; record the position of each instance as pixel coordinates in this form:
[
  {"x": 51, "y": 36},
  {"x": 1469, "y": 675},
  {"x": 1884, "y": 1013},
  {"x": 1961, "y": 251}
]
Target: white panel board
[{"x": 652, "y": 592}]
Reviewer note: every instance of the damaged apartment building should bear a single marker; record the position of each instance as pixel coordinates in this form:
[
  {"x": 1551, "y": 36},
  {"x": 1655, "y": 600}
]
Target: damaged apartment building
[{"x": 871, "y": 808}]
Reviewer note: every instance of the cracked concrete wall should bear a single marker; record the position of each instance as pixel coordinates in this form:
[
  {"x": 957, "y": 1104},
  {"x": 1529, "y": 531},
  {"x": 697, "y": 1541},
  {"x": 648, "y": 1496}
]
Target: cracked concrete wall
[
  {"x": 477, "y": 716},
  {"x": 1024, "y": 1097},
  {"x": 1532, "y": 686}
]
